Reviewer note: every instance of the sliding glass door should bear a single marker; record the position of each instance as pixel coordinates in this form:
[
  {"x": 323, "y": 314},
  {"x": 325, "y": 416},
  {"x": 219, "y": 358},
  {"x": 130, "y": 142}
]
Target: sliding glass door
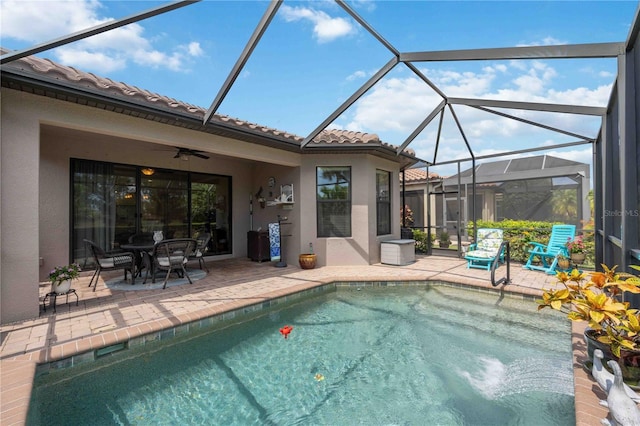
[
  {"x": 164, "y": 203},
  {"x": 112, "y": 202}
]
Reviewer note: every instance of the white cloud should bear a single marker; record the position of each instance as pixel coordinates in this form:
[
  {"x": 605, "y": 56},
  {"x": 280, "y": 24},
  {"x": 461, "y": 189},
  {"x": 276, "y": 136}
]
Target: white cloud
[
  {"x": 395, "y": 106},
  {"x": 367, "y": 5},
  {"x": 194, "y": 49},
  {"x": 545, "y": 41},
  {"x": 325, "y": 28},
  {"x": 356, "y": 75},
  {"x": 37, "y": 22}
]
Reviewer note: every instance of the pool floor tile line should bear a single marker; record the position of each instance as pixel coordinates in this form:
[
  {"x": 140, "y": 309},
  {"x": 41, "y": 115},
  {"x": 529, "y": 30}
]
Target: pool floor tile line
[{"x": 107, "y": 317}]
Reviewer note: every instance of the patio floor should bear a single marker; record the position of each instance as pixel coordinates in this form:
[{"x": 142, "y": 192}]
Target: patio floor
[{"x": 106, "y": 317}]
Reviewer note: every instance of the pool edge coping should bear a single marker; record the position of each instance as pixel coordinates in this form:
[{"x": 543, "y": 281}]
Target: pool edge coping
[{"x": 18, "y": 373}]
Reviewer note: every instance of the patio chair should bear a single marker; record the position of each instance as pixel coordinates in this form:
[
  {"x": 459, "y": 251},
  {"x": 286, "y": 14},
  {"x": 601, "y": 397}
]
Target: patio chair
[
  {"x": 171, "y": 256},
  {"x": 560, "y": 235},
  {"x": 202, "y": 246},
  {"x": 110, "y": 262},
  {"x": 482, "y": 253}
]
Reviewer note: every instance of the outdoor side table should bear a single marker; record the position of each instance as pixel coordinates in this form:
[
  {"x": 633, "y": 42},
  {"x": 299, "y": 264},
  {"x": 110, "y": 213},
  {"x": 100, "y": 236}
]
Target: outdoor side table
[{"x": 54, "y": 296}]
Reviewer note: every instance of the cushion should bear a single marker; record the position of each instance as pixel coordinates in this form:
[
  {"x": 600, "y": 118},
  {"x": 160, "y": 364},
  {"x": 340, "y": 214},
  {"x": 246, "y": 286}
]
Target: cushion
[
  {"x": 173, "y": 260},
  {"x": 107, "y": 262},
  {"x": 482, "y": 254}
]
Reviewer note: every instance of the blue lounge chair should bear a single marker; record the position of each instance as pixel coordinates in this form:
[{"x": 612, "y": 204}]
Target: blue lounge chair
[
  {"x": 482, "y": 253},
  {"x": 557, "y": 245}
]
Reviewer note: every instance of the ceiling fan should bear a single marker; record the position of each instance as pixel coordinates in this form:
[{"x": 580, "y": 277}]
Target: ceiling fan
[{"x": 184, "y": 153}]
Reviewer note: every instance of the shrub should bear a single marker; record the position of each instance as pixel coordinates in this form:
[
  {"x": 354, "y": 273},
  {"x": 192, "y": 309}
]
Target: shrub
[{"x": 520, "y": 232}]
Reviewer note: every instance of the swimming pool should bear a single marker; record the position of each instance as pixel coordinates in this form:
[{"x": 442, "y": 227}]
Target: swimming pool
[{"x": 432, "y": 355}]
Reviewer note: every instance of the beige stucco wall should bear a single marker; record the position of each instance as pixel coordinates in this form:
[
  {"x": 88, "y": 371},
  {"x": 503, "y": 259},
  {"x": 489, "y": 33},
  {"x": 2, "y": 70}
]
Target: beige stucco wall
[
  {"x": 363, "y": 247},
  {"x": 40, "y": 135},
  {"x": 35, "y": 187},
  {"x": 19, "y": 225}
]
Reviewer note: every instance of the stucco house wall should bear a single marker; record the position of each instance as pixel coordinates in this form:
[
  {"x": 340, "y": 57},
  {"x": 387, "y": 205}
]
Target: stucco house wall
[
  {"x": 40, "y": 136},
  {"x": 363, "y": 247}
]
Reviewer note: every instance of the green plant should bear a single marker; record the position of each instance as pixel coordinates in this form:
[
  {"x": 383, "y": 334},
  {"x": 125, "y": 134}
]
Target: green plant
[
  {"x": 422, "y": 240},
  {"x": 444, "y": 237},
  {"x": 63, "y": 273},
  {"x": 563, "y": 262},
  {"x": 520, "y": 232},
  {"x": 596, "y": 300},
  {"x": 407, "y": 216},
  {"x": 576, "y": 246}
]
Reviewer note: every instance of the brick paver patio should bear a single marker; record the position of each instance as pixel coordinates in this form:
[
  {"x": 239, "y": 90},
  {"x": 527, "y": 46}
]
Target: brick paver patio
[{"x": 105, "y": 317}]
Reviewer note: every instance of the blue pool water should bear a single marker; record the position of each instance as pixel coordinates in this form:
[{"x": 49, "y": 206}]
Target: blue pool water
[{"x": 376, "y": 356}]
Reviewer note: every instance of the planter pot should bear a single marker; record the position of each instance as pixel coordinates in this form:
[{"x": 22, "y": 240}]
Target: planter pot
[
  {"x": 629, "y": 361},
  {"x": 62, "y": 287},
  {"x": 593, "y": 344},
  {"x": 630, "y": 365},
  {"x": 578, "y": 258},
  {"x": 563, "y": 264},
  {"x": 406, "y": 234},
  {"x": 307, "y": 261},
  {"x": 445, "y": 245}
]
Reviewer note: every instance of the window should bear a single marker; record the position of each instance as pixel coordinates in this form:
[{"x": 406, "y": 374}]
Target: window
[
  {"x": 383, "y": 202},
  {"x": 333, "y": 201},
  {"x": 111, "y": 202}
]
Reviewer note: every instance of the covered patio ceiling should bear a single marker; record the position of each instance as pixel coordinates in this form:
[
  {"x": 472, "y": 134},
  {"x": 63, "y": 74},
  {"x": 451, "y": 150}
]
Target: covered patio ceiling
[{"x": 446, "y": 107}]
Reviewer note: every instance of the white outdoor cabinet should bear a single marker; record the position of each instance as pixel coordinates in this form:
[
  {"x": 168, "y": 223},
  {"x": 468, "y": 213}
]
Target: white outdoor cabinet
[{"x": 398, "y": 252}]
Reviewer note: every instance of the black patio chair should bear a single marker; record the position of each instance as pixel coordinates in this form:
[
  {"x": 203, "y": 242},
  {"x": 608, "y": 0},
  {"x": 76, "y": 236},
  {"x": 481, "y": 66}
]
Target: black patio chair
[
  {"x": 171, "y": 256},
  {"x": 110, "y": 262},
  {"x": 202, "y": 245}
]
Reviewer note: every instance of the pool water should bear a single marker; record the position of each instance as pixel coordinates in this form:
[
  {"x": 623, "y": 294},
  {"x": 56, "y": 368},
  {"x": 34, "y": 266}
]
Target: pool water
[{"x": 432, "y": 355}]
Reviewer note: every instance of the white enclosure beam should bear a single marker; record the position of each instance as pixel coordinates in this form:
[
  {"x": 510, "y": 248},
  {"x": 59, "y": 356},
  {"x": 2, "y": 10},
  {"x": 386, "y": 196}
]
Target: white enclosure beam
[
  {"x": 98, "y": 29},
  {"x": 532, "y": 106},
  {"x": 244, "y": 57},
  {"x": 346, "y": 104},
  {"x": 563, "y": 51}
]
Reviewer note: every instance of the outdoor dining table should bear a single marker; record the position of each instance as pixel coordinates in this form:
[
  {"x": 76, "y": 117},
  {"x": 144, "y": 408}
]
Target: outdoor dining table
[{"x": 142, "y": 260}]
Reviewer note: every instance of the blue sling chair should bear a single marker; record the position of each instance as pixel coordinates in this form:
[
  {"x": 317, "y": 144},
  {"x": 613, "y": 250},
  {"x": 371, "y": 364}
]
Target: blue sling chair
[
  {"x": 482, "y": 253},
  {"x": 557, "y": 245}
]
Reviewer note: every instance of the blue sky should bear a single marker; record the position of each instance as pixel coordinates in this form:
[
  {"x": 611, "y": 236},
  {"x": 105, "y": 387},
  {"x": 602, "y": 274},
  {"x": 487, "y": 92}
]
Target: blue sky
[{"x": 314, "y": 56}]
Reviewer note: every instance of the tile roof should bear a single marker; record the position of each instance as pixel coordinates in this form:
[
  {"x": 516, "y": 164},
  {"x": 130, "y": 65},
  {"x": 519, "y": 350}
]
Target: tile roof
[
  {"x": 48, "y": 70},
  {"x": 418, "y": 175}
]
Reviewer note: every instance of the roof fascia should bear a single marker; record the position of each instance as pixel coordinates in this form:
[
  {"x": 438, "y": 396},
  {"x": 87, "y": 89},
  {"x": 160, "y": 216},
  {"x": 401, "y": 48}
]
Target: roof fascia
[
  {"x": 563, "y": 51},
  {"x": 93, "y": 97},
  {"x": 381, "y": 150}
]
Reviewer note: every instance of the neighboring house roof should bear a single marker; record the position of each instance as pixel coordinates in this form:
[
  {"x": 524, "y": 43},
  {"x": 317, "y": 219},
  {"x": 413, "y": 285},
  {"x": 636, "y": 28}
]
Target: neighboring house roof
[
  {"x": 537, "y": 162},
  {"x": 47, "y": 78},
  {"x": 416, "y": 176},
  {"x": 537, "y": 166}
]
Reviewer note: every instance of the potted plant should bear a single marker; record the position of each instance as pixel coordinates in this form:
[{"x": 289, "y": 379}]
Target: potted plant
[
  {"x": 61, "y": 277},
  {"x": 445, "y": 241},
  {"x": 307, "y": 260},
  {"x": 595, "y": 298},
  {"x": 576, "y": 250},
  {"x": 563, "y": 262}
]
